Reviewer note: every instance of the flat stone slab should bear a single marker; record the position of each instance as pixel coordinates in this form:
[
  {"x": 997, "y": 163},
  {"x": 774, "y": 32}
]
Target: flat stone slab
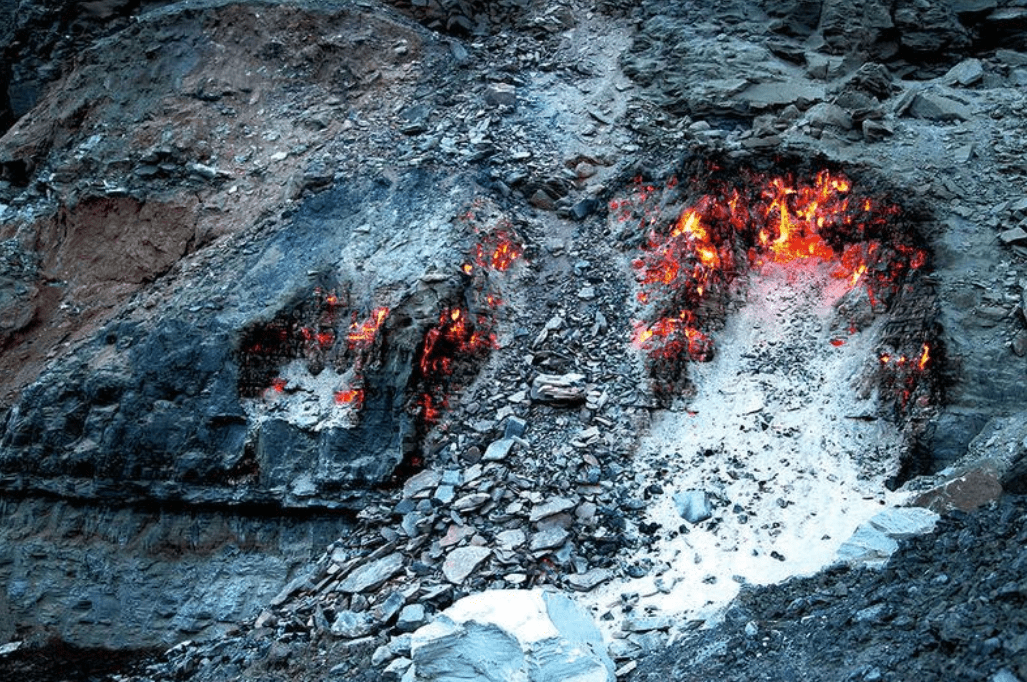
[
  {"x": 550, "y": 507},
  {"x": 371, "y": 575},
  {"x": 462, "y": 561},
  {"x": 511, "y": 636},
  {"x": 900, "y": 523}
]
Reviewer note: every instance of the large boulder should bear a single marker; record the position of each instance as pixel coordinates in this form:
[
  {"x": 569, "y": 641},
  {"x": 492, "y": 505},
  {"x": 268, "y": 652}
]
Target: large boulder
[{"x": 511, "y": 636}]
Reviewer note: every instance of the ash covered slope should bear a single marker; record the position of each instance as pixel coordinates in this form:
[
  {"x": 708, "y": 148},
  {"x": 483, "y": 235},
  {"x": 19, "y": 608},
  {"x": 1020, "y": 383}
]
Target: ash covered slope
[{"x": 948, "y": 605}]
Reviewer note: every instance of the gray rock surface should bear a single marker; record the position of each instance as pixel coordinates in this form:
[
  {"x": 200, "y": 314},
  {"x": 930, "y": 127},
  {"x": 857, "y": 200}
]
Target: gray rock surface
[
  {"x": 371, "y": 575},
  {"x": 511, "y": 636},
  {"x": 123, "y": 579},
  {"x": 693, "y": 505},
  {"x": 462, "y": 560},
  {"x": 877, "y": 539}
]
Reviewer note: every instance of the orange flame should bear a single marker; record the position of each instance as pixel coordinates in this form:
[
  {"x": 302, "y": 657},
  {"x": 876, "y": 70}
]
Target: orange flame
[
  {"x": 497, "y": 251},
  {"x": 456, "y": 335},
  {"x": 778, "y": 219},
  {"x": 350, "y": 396},
  {"x": 925, "y": 357},
  {"x": 363, "y": 334}
]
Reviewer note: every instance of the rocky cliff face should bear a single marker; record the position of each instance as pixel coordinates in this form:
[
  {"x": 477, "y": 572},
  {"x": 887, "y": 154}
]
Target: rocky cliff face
[{"x": 260, "y": 262}]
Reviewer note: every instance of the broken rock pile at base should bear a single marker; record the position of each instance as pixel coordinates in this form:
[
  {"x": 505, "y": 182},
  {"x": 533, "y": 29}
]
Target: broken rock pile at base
[
  {"x": 511, "y": 636},
  {"x": 948, "y": 605}
]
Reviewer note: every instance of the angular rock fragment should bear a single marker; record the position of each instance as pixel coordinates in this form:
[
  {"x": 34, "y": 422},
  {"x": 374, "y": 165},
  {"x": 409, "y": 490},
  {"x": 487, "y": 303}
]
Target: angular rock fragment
[
  {"x": 1017, "y": 235},
  {"x": 351, "y": 625},
  {"x": 966, "y": 72},
  {"x": 371, "y": 575},
  {"x": 498, "y": 450},
  {"x": 935, "y": 107},
  {"x": 875, "y": 541},
  {"x": 470, "y": 502},
  {"x": 583, "y": 582},
  {"x": 553, "y": 506},
  {"x": 512, "y": 636},
  {"x": 514, "y": 427},
  {"x": 867, "y": 545},
  {"x": 559, "y": 388},
  {"x": 425, "y": 480},
  {"x": 501, "y": 94},
  {"x": 462, "y": 561},
  {"x": 647, "y": 624},
  {"x": 900, "y": 523},
  {"x": 548, "y": 539},
  {"x": 693, "y": 505},
  {"x": 410, "y": 618}
]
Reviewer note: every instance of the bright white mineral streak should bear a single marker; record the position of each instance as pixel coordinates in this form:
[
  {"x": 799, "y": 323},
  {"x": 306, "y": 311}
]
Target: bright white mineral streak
[{"x": 772, "y": 436}]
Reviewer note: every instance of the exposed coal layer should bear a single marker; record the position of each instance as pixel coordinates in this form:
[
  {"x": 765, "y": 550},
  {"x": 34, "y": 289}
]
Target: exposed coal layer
[{"x": 58, "y": 661}]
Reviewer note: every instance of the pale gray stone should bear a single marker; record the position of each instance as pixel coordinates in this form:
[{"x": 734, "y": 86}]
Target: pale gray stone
[
  {"x": 511, "y": 539},
  {"x": 420, "y": 482},
  {"x": 1017, "y": 235},
  {"x": 935, "y": 107},
  {"x": 693, "y": 505},
  {"x": 548, "y": 539},
  {"x": 646, "y": 624},
  {"x": 498, "y": 449},
  {"x": 583, "y": 582},
  {"x": 410, "y": 618},
  {"x": 511, "y": 636},
  {"x": 966, "y": 72},
  {"x": 559, "y": 388},
  {"x": 351, "y": 625},
  {"x": 396, "y": 669},
  {"x": 767, "y": 95},
  {"x": 370, "y": 576},
  {"x": 462, "y": 561},
  {"x": 904, "y": 522},
  {"x": 552, "y": 506},
  {"x": 866, "y": 545},
  {"x": 827, "y": 115}
]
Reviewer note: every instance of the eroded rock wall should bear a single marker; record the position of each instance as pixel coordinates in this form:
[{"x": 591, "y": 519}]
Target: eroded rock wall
[{"x": 115, "y": 576}]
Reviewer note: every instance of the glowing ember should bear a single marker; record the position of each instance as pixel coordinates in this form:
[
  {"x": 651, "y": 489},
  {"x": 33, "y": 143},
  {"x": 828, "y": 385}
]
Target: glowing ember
[
  {"x": 457, "y": 335},
  {"x": 430, "y": 412},
  {"x": 362, "y": 335},
  {"x": 279, "y": 384},
  {"x": 672, "y": 336},
  {"x": 454, "y": 335},
  {"x": 772, "y": 219},
  {"x": 351, "y": 396},
  {"x": 325, "y": 339},
  {"x": 497, "y": 251}
]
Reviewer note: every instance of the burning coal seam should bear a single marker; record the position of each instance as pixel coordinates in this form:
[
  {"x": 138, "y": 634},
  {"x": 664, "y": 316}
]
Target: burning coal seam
[
  {"x": 324, "y": 330},
  {"x": 688, "y": 263}
]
